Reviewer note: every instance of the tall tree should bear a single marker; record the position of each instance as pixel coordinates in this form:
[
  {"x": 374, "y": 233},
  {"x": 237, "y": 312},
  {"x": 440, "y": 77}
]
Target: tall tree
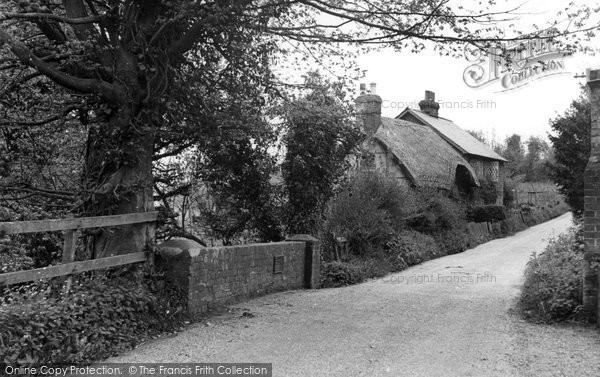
[
  {"x": 571, "y": 144},
  {"x": 132, "y": 64},
  {"x": 514, "y": 152},
  {"x": 535, "y": 167},
  {"x": 319, "y": 134}
]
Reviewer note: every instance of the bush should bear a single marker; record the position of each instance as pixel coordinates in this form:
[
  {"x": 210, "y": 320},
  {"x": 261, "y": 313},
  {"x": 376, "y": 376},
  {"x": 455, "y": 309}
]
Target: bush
[
  {"x": 473, "y": 240},
  {"x": 488, "y": 213},
  {"x": 440, "y": 214},
  {"x": 368, "y": 211},
  {"x": 13, "y": 257},
  {"x": 553, "y": 280},
  {"x": 488, "y": 192},
  {"x": 96, "y": 319},
  {"x": 410, "y": 248},
  {"x": 509, "y": 196},
  {"x": 339, "y": 274},
  {"x": 509, "y": 226},
  {"x": 451, "y": 242}
]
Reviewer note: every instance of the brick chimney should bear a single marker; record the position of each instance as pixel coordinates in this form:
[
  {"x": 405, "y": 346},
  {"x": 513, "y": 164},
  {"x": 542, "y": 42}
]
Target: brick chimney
[
  {"x": 368, "y": 109},
  {"x": 428, "y": 105}
]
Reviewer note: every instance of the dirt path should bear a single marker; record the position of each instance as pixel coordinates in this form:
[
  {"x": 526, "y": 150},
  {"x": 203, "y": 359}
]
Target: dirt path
[{"x": 447, "y": 317}]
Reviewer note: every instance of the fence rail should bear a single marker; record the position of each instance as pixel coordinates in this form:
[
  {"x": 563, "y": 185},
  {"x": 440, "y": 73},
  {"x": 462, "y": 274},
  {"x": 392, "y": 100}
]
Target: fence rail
[{"x": 70, "y": 227}]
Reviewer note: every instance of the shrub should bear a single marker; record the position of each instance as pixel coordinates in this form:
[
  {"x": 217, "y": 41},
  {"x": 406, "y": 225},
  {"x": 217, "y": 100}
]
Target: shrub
[
  {"x": 25, "y": 251},
  {"x": 97, "y": 318},
  {"x": 509, "y": 193},
  {"x": 338, "y": 274},
  {"x": 488, "y": 213},
  {"x": 508, "y": 226},
  {"x": 13, "y": 257},
  {"x": 450, "y": 242},
  {"x": 473, "y": 240},
  {"x": 439, "y": 214},
  {"x": 409, "y": 248},
  {"x": 488, "y": 192},
  {"x": 553, "y": 280},
  {"x": 368, "y": 211}
]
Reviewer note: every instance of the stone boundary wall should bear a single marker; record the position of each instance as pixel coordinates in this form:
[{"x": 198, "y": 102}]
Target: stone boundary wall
[{"x": 217, "y": 276}]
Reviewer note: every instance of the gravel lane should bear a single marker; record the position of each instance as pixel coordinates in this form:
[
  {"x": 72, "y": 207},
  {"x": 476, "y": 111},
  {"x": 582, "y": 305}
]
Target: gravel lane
[{"x": 447, "y": 317}]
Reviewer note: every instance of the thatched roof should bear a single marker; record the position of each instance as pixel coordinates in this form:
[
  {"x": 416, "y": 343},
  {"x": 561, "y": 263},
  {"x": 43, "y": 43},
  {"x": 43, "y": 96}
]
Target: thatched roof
[
  {"x": 427, "y": 158},
  {"x": 459, "y": 138}
]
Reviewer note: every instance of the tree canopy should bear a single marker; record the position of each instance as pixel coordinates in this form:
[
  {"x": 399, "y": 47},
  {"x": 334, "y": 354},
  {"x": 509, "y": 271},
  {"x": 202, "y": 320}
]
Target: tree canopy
[
  {"x": 148, "y": 80},
  {"x": 570, "y": 139}
]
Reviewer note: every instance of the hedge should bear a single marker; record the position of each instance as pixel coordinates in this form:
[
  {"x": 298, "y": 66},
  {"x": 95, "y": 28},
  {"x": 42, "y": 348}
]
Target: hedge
[{"x": 489, "y": 213}]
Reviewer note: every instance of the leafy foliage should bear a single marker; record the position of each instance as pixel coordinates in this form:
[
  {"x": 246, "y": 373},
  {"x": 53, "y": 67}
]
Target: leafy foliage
[
  {"x": 535, "y": 164},
  {"x": 452, "y": 242},
  {"x": 96, "y": 319},
  {"x": 438, "y": 213},
  {"x": 338, "y": 274},
  {"x": 514, "y": 152},
  {"x": 238, "y": 174},
  {"x": 488, "y": 192},
  {"x": 405, "y": 249},
  {"x": 488, "y": 213},
  {"x": 509, "y": 195},
  {"x": 571, "y": 143},
  {"x": 319, "y": 136},
  {"x": 553, "y": 280},
  {"x": 409, "y": 248},
  {"x": 526, "y": 160},
  {"x": 369, "y": 209},
  {"x": 145, "y": 81}
]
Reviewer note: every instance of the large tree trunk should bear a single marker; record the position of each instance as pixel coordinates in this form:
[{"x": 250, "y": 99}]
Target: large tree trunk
[{"x": 118, "y": 175}]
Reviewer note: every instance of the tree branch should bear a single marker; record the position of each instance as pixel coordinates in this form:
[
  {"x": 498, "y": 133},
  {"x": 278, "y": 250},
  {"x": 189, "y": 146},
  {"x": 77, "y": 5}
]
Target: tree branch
[
  {"x": 184, "y": 234},
  {"x": 62, "y": 195},
  {"x": 53, "y": 17},
  {"x": 177, "y": 231},
  {"x": 41, "y": 122},
  {"x": 96, "y": 86}
]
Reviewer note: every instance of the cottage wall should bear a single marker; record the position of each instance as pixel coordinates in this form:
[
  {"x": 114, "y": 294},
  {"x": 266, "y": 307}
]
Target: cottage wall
[
  {"x": 489, "y": 171},
  {"x": 385, "y": 162}
]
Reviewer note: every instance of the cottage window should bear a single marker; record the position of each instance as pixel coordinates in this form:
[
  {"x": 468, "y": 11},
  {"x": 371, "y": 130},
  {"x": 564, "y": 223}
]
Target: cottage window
[
  {"x": 380, "y": 162},
  {"x": 494, "y": 171}
]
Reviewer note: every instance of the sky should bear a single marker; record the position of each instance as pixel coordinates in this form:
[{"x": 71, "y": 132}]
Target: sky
[{"x": 402, "y": 79}]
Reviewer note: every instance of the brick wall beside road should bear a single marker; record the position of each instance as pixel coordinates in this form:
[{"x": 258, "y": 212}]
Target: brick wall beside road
[{"x": 222, "y": 275}]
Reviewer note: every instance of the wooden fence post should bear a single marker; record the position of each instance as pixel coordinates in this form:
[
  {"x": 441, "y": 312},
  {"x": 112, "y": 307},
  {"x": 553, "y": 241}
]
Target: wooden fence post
[
  {"x": 71, "y": 226},
  {"x": 69, "y": 253}
]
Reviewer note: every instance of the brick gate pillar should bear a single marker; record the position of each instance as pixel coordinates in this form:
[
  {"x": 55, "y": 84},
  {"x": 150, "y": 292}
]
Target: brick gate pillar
[
  {"x": 312, "y": 258},
  {"x": 592, "y": 205}
]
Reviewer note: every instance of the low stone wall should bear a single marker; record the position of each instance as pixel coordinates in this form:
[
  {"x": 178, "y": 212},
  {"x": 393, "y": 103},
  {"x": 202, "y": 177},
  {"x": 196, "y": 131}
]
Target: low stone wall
[{"x": 217, "y": 276}]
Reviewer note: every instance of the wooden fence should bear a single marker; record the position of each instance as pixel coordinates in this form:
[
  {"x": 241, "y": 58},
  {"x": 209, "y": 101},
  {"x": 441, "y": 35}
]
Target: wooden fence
[
  {"x": 70, "y": 227},
  {"x": 537, "y": 193}
]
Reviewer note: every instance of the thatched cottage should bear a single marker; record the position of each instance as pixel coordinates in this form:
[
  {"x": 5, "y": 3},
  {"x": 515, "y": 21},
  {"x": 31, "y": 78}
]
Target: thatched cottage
[{"x": 422, "y": 149}]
